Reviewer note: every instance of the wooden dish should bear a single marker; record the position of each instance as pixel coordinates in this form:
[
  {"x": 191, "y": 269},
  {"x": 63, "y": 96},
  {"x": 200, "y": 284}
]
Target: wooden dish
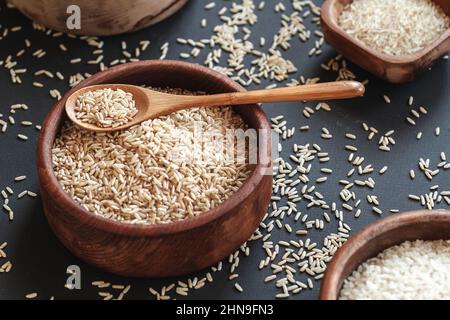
[
  {"x": 396, "y": 69},
  {"x": 378, "y": 236},
  {"x": 100, "y": 17},
  {"x": 157, "y": 250}
]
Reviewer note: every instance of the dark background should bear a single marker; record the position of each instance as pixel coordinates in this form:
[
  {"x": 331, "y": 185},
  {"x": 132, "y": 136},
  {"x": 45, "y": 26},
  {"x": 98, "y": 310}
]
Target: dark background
[{"x": 40, "y": 261}]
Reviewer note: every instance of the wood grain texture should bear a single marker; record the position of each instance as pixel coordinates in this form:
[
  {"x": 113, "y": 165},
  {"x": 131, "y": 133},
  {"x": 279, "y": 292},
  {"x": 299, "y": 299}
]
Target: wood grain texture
[
  {"x": 391, "y": 68},
  {"x": 100, "y": 17},
  {"x": 157, "y": 250},
  {"x": 378, "y": 236},
  {"x": 152, "y": 104}
]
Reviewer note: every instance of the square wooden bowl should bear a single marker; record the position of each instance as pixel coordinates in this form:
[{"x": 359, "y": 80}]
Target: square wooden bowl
[{"x": 396, "y": 69}]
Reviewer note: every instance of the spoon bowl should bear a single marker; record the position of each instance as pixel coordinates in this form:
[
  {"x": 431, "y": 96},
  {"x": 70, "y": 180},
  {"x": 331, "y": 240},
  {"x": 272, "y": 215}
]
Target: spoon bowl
[
  {"x": 142, "y": 105},
  {"x": 151, "y": 104}
]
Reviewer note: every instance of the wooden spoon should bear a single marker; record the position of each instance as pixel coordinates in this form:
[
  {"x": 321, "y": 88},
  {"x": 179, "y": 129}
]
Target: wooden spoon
[{"x": 152, "y": 104}]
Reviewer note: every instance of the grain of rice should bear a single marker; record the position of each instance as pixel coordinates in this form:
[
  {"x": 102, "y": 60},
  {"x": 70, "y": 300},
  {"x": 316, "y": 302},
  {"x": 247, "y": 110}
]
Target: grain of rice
[
  {"x": 31, "y": 295},
  {"x": 423, "y": 110},
  {"x": 411, "y": 121},
  {"x": 383, "y": 170},
  {"x": 415, "y": 113},
  {"x": 437, "y": 131},
  {"x": 377, "y": 210},
  {"x": 210, "y": 5},
  {"x": 22, "y": 194}
]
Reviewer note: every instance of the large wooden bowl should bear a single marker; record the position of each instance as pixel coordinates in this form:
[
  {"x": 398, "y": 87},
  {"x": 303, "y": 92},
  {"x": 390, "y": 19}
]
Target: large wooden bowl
[
  {"x": 157, "y": 250},
  {"x": 396, "y": 69},
  {"x": 99, "y": 17},
  {"x": 376, "y": 237}
]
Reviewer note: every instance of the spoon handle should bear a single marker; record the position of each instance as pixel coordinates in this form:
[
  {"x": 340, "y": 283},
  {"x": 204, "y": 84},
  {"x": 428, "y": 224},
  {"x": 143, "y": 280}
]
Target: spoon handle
[{"x": 318, "y": 91}]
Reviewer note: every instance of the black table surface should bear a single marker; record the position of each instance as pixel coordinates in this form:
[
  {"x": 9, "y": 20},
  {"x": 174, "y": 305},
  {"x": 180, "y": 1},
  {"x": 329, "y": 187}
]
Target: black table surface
[{"x": 40, "y": 261}]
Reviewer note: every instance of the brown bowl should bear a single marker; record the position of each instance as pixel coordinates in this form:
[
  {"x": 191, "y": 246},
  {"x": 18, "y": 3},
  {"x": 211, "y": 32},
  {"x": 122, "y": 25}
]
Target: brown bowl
[
  {"x": 157, "y": 250},
  {"x": 378, "y": 236},
  {"x": 100, "y": 17},
  {"x": 396, "y": 69}
]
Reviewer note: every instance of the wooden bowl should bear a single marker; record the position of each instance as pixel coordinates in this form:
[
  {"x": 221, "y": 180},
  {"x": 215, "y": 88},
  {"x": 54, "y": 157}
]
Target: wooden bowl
[
  {"x": 378, "y": 236},
  {"x": 157, "y": 250},
  {"x": 396, "y": 69},
  {"x": 99, "y": 17}
]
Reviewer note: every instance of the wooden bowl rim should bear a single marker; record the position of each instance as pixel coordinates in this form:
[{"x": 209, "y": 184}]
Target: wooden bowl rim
[
  {"x": 331, "y": 20},
  {"x": 329, "y": 290},
  {"x": 49, "y": 132}
]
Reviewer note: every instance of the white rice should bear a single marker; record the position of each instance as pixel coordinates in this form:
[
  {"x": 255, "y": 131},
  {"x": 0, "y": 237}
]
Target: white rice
[{"x": 412, "y": 270}]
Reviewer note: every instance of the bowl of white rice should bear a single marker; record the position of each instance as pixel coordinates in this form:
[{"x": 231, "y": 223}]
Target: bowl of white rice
[
  {"x": 162, "y": 198},
  {"x": 402, "y": 257}
]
